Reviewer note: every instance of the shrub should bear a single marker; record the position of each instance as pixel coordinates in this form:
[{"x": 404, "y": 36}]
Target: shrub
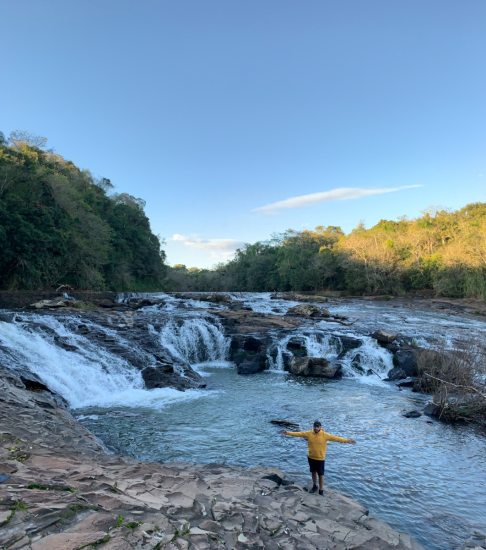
[{"x": 457, "y": 380}]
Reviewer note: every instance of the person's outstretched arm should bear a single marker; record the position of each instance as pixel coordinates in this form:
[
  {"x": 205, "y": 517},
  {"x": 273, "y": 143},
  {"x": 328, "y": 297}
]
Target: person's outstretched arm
[
  {"x": 331, "y": 437},
  {"x": 295, "y": 434}
]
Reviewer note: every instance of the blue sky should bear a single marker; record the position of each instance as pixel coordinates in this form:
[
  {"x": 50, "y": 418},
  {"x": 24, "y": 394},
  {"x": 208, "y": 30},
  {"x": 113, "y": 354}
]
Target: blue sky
[{"x": 225, "y": 115}]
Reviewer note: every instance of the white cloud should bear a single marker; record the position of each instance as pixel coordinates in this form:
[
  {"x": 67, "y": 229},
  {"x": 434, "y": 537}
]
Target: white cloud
[
  {"x": 219, "y": 249},
  {"x": 338, "y": 194}
]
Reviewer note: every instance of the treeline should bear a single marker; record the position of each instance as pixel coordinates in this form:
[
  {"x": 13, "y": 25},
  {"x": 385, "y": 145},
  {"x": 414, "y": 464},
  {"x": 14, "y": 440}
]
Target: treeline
[
  {"x": 59, "y": 225},
  {"x": 443, "y": 253}
]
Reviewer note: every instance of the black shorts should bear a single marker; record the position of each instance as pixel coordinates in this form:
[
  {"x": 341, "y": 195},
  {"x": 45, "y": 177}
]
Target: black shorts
[{"x": 316, "y": 466}]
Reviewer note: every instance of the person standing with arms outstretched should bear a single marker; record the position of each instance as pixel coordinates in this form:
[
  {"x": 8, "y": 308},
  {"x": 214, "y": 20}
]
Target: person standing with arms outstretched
[{"x": 317, "y": 440}]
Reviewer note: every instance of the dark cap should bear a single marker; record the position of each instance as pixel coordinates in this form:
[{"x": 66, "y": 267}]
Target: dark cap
[{"x": 317, "y": 424}]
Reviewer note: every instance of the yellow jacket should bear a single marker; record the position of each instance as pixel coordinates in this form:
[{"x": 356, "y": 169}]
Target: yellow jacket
[{"x": 317, "y": 442}]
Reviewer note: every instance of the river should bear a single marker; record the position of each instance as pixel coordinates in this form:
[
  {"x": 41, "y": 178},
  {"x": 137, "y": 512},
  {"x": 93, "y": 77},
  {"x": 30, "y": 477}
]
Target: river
[{"x": 423, "y": 477}]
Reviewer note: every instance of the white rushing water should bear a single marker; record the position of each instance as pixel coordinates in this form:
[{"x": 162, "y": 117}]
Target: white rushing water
[
  {"x": 367, "y": 359},
  {"x": 194, "y": 341},
  {"x": 85, "y": 374}
]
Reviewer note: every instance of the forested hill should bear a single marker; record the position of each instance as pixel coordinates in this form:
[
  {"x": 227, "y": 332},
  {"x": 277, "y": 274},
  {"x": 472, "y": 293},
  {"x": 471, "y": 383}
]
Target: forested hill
[
  {"x": 443, "y": 253},
  {"x": 58, "y": 225}
]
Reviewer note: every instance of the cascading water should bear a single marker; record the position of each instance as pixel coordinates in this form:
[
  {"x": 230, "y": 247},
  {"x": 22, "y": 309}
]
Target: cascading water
[
  {"x": 83, "y": 372},
  {"x": 194, "y": 341},
  {"x": 367, "y": 358}
]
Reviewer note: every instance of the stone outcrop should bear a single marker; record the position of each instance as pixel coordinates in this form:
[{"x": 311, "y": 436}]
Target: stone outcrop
[
  {"x": 309, "y": 310},
  {"x": 248, "y": 353},
  {"x": 60, "y": 490},
  {"x": 315, "y": 366}
]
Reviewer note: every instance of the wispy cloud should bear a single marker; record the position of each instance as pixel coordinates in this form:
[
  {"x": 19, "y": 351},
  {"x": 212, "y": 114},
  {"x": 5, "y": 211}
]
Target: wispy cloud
[
  {"x": 338, "y": 194},
  {"x": 220, "y": 249}
]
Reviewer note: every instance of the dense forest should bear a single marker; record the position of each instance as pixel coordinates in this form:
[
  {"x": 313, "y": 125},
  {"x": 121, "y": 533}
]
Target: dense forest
[
  {"x": 59, "y": 225},
  {"x": 443, "y": 253}
]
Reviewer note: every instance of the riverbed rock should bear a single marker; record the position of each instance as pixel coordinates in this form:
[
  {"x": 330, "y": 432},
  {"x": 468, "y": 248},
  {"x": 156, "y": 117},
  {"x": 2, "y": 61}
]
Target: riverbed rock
[
  {"x": 51, "y": 304},
  {"x": 315, "y": 366},
  {"x": 296, "y": 345},
  {"x": 406, "y": 360},
  {"x": 248, "y": 353},
  {"x": 431, "y": 409},
  {"x": 309, "y": 310},
  {"x": 412, "y": 414},
  {"x": 384, "y": 337},
  {"x": 257, "y": 363},
  {"x": 165, "y": 376}
]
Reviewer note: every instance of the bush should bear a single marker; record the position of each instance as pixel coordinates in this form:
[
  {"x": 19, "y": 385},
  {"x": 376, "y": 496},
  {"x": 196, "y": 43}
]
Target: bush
[{"x": 457, "y": 381}]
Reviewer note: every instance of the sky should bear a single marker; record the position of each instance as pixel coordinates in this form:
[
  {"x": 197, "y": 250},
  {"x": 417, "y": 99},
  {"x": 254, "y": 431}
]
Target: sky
[{"x": 236, "y": 120}]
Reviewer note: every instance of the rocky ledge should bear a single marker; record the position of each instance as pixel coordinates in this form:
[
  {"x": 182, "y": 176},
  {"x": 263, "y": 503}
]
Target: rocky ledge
[{"x": 60, "y": 489}]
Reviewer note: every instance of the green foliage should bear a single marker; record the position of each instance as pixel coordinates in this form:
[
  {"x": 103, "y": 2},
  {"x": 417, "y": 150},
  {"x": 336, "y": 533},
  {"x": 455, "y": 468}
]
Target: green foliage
[
  {"x": 442, "y": 252},
  {"x": 59, "y": 226}
]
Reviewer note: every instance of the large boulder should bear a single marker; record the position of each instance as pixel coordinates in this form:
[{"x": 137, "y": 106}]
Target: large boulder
[
  {"x": 384, "y": 337},
  {"x": 406, "y": 361},
  {"x": 297, "y": 347},
  {"x": 315, "y": 366},
  {"x": 348, "y": 343},
  {"x": 248, "y": 353},
  {"x": 252, "y": 365},
  {"x": 309, "y": 310},
  {"x": 165, "y": 376}
]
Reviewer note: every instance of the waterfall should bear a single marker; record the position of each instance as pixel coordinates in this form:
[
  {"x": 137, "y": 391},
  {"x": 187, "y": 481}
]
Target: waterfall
[
  {"x": 80, "y": 370},
  {"x": 194, "y": 341},
  {"x": 316, "y": 344},
  {"x": 368, "y": 358}
]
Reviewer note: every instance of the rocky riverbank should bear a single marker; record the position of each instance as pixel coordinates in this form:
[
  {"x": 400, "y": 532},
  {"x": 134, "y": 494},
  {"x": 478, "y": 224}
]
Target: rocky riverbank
[{"x": 61, "y": 490}]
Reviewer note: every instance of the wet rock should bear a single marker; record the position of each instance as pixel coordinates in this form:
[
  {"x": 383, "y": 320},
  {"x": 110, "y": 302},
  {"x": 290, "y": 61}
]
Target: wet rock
[
  {"x": 431, "y": 409},
  {"x": 396, "y": 373},
  {"x": 252, "y": 364},
  {"x": 412, "y": 414},
  {"x": 315, "y": 366},
  {"x": 297, "y": 347},
  {"x": 309, "y": 310},
  {"x": 348, "y": 343},
  {"x": 52, "y": 304},
  {"x": 406, "y": 361},
  {"x": 286, "y": 424},
  {"x": 165, "y": 376},
  {"x": 384, "y": 337},
  {"x": 406, "y": 382}
]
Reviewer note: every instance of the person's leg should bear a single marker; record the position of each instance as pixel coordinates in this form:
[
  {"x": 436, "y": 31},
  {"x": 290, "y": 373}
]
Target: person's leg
[
  {"x": 320, "y": 471},
  {"x": 313, "y": 474}
]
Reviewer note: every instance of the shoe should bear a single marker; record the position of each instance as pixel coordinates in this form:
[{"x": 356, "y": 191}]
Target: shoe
[
  {"x": 314, "y": 489},
  {"x": 321, "y": 493}
]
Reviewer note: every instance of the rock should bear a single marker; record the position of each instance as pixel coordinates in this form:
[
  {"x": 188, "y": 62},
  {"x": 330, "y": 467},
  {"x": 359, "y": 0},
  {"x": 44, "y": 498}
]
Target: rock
[
  {"x": 252, "y": 364},
  {"x": 407, "y": 382},
  {"x": 54, "y": 303},
  {"x": 315, "y": 366},
  {"x": 296, "y": 345},
  {"x": 396, "y": 373},
  {"x": 348, "y": 343},
  {"x": 406, "y": 360},
  {"x": 431, "y": 409},
  {"x": 248, "y": 353},
  {"x": 412, "y": 414},
  {"x": 309, "y": 310},
  {"x": 164, "y": 376},
  {"x": 384, "y": 337},
  {"x": 286, "y": 424}
]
